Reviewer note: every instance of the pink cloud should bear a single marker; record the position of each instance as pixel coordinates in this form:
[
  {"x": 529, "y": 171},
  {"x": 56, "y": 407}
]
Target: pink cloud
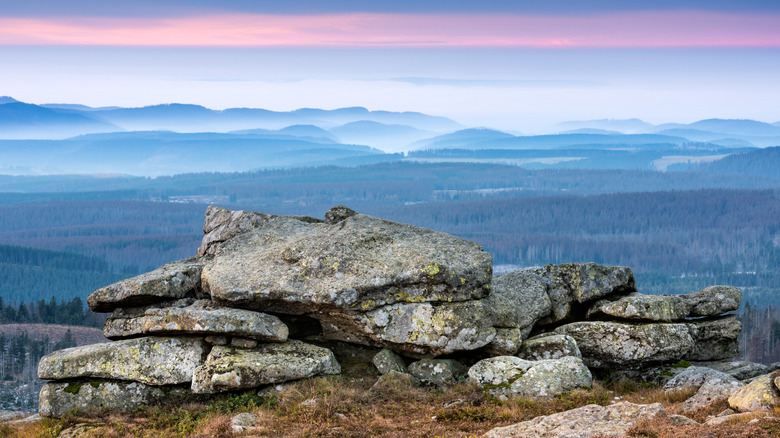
[{"x": 647, "y": 29}]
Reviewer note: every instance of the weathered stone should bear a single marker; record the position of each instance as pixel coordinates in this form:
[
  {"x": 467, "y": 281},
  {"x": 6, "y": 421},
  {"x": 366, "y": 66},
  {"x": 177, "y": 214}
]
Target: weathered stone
[
  {"x": 387, "y": 361},
  {"x": 152, "y": 360},
  {"x": 230, "y": 369},
  {"x": 244, "y": 422},
  {"x": 437, "y": 372},
  {"x": 682, "y": 420},
  {"x": 635, "y": 306},
  {"x": 422, "y": 329},
  {"x": 741, "y": 370},
  {"x": 509, "y": 377},
  {"x": 582, "y": 282},
  {"x": 549, "y": 347},
  {"x": 78, "y": 430},
  {"x": 612, "y": 344},
  {"x": 714, "y": 339},
  {"x": 341, "y": 272},
  {"x": 714, "y": 300},
  {"x": 518, "y": 299},
  {"x": 711, "y": 385},
  {"x": 91, "y": 397},
  {"x": 507, "y": 341},
  {"x": 202, "y": 317},
  {"x": 584, "y": 422},
  {"x": 168, "y": 282},
  {"x": 760, "y": 394}
]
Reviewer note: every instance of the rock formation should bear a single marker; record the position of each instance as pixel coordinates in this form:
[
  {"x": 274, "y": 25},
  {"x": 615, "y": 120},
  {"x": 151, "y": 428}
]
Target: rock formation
[{"x": 266, "y": 295}]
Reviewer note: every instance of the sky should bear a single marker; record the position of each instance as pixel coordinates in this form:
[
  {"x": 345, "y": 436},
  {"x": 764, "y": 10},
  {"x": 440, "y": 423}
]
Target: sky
[{"x": 514, "y": 65}]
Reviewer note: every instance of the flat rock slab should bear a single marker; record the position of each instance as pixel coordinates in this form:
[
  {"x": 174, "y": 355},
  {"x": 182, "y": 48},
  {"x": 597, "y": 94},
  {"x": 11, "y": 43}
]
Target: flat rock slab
[
  {"x": 230, "y": 369},
  {"x": 92, "y": 397},
  {"x": 549, "y": 347},
  {"x": 635, "y": 306},
  {"x": 202, "y": 317},
  {"x": 576, "y": 283},
  {"x": 511, "y": 377},
  {"x": 739, "y": 369},
  {"x": 584, "y": 422},
  {"x": 152, "y": 360},
  {"x": 168, "y": 282},
  {"x": 710, "y": 301},
  {"x": 611, "y": 344}
]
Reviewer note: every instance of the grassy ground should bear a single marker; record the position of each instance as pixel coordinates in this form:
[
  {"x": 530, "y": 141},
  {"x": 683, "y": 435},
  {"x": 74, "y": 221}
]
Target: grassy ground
[{"x": 355, "y": 407}]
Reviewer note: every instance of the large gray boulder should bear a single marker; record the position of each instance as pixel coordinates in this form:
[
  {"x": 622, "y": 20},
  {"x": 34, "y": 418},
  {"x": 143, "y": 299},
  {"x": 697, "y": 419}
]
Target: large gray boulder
[
  {"x": 511, "y": 377},
  {"x": 607, "y": 344},
  {"x": 584, "y": 422},
  {"x": 356, "y": 270},
  {"x": 571, "y": 284},
  {"x": 231, "y": 369},
  {"x": 93, "y": 397},
  {"x": 200, "y": 317},
  {"x": 739, "y": 369},
  {"x": 152, "y": 360},
  {"x": 169, "y": 282}
]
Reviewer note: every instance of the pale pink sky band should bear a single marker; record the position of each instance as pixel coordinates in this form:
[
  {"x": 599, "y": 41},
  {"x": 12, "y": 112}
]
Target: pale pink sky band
[{"x": 619, "y": 30}]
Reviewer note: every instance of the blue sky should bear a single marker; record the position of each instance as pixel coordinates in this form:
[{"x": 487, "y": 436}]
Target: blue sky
[{"x": 520, "y": 66}]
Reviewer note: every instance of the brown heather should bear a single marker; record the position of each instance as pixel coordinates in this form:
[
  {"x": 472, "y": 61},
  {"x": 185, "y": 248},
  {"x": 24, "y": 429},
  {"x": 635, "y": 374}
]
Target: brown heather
[{"x": 353, "y": 407}]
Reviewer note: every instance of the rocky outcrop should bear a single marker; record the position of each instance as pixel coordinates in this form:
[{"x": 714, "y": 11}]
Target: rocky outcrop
[
  {"x": 511, "y": 377},
  {"x": 584, "y": 422},
  {"x": 235, "y": 317}
]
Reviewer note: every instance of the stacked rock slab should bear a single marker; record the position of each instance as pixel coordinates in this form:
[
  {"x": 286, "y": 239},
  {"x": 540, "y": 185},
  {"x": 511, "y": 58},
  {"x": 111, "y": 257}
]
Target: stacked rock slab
[{"x": 637, "y": 330}]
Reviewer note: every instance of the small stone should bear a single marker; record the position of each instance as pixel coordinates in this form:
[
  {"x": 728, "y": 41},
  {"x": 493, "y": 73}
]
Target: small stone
[
  {"x": 244, "y": 422},
  {"x": 243, "y": 343},
  {"x": 437, "y": 372},
  {"x": 726, "y": 412},
  {"x": 387, "y": 361},
  {"x": 338, "y": 213},
  {"x": 549, "y": 347},
  {"x": 681, "y": 420}
]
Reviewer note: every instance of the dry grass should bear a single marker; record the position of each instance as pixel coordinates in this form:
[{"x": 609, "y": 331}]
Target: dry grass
[{"x": 351, "y": 407}]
